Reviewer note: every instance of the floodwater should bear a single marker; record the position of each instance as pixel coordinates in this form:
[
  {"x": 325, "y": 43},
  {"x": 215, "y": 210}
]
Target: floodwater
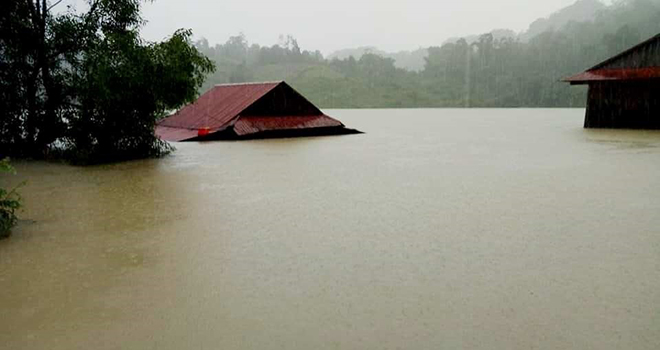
[{"x": 438, "y": 229}]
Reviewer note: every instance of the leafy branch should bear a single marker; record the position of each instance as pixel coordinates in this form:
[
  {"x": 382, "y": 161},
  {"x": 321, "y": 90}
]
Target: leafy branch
[{"x": 10, "y": 202}]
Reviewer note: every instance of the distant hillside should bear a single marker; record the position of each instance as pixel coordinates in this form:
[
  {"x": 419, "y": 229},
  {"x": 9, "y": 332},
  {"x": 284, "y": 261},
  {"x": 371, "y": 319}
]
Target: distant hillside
[
  {"x": 498, "y": 34},
  {"x": 408, "y": 60},
  {"x": 355, "y": 52},
  {"x": 492, "y": 73},
  {"x": 581, "y": 11}
]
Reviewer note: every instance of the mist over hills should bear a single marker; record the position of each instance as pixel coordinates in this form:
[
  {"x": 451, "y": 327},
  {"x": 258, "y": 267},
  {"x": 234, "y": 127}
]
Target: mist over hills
[
  {"x": 409, "y": 60},
  {"x": 580, "y": 11},
  {"x": 497, "y": 34},
  {"x": 497, "y": 69}
]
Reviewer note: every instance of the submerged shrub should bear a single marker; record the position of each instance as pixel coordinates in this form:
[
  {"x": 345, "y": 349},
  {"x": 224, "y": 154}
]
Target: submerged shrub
[{"x": 10, "y": 202}]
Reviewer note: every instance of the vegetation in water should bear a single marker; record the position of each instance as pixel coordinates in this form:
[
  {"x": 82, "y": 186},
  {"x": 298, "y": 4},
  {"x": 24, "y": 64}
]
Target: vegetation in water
[
  {"x": 85, "y": 86},
  {"x": 10, "y": 202},
  {"x": 491, "y": 70}
]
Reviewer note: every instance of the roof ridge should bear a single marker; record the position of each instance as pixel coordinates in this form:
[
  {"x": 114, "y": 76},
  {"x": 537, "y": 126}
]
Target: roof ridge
[
  {"x": 251, "y": 83},
  {"x": 623, "y": 53}
]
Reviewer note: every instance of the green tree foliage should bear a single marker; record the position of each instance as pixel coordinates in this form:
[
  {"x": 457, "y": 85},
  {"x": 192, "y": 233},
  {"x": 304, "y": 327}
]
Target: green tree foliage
[
  {"x": 486, "y": 72},
  {"x": 85, "y": 86},
  {"x": 10, "y": 202}
]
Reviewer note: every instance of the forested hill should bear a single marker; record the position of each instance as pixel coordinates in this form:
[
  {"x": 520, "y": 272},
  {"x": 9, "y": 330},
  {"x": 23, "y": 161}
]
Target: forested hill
[
  {"x": 581, "y": 11},
  {"x": 489, "y": 72},
  {"x": 408, "y": 60}
]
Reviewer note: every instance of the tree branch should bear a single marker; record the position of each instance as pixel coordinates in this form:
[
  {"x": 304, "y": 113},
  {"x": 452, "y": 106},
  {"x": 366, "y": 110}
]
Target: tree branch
[
  {"x": 53, "y": 5},
  {"x": 92, "y": 8}
]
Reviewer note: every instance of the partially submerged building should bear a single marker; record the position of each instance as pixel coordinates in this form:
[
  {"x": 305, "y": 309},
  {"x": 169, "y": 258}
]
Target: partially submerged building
[
  {"x": 244, "y": 111},
  {"x": 624, "y": 91}
]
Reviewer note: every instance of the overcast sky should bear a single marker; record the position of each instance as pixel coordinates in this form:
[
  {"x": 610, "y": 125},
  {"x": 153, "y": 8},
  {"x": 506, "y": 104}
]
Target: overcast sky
[{"x": 329, "y": 25}]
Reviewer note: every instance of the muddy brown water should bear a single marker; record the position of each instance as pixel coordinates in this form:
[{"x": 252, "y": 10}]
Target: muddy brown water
[{"x": 438, "y": 229}]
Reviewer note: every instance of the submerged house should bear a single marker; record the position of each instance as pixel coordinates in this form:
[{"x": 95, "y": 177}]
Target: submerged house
[
  {"x": 624, "y": 91},
  {"x": 244, "y": 111}
]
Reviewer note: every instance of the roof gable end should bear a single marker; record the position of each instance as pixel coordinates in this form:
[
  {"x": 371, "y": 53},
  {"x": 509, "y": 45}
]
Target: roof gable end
[
  {"x": 216, "y": 108},
  {"x": 643, "y": 55},
  {"x": 640, "y": 62}
]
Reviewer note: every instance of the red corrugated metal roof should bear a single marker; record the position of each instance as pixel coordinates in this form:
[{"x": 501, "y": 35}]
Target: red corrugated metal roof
[
  {"x": 221, "y": 109},
  {"x": 614, "y": 75},
  {"x": 254, "y": 124},
  {"x": 175, "y": 134},
  {"x": 637, "y": 63},
  {"x": 216, "y": 108}
]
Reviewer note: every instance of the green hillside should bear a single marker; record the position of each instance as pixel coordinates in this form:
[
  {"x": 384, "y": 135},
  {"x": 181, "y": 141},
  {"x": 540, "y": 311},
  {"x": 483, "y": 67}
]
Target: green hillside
[{"x": 487, "y": 72}]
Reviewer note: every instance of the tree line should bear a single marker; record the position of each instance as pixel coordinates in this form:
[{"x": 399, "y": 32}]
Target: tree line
[{"x": 489, "y": 72}]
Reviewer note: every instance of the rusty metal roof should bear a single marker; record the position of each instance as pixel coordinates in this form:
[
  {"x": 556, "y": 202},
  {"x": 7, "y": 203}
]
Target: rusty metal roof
[
  {"x": 255, "y": 124},
  {"x": 227, "y": 108},
  {"x": 175, "y": 134},
  {"x": 219, "y": 106},
  {"x": 641, "y": 62},
  {"x": 614, "y": 75}
]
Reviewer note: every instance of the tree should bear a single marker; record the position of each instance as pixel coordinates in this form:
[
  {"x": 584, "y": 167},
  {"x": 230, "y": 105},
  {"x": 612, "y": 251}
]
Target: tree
[
  {"x": 86, "y": 86},
  {"x": 27, "y": 85},
  {"x": 10, "y": 202}
]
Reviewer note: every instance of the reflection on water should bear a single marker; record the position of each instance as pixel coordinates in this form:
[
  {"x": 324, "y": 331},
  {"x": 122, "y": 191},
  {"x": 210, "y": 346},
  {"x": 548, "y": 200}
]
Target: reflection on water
[
  {"x": 625, "y": 139},
  {"x": 478, "y": 229}
]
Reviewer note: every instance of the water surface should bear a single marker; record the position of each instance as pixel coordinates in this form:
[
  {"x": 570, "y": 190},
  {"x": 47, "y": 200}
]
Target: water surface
[{"x": 438, "y": 229}]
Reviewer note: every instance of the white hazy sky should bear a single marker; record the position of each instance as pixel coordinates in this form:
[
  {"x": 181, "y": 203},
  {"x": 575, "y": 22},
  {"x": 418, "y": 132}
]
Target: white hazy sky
[{"x": 329, "y": 25}]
